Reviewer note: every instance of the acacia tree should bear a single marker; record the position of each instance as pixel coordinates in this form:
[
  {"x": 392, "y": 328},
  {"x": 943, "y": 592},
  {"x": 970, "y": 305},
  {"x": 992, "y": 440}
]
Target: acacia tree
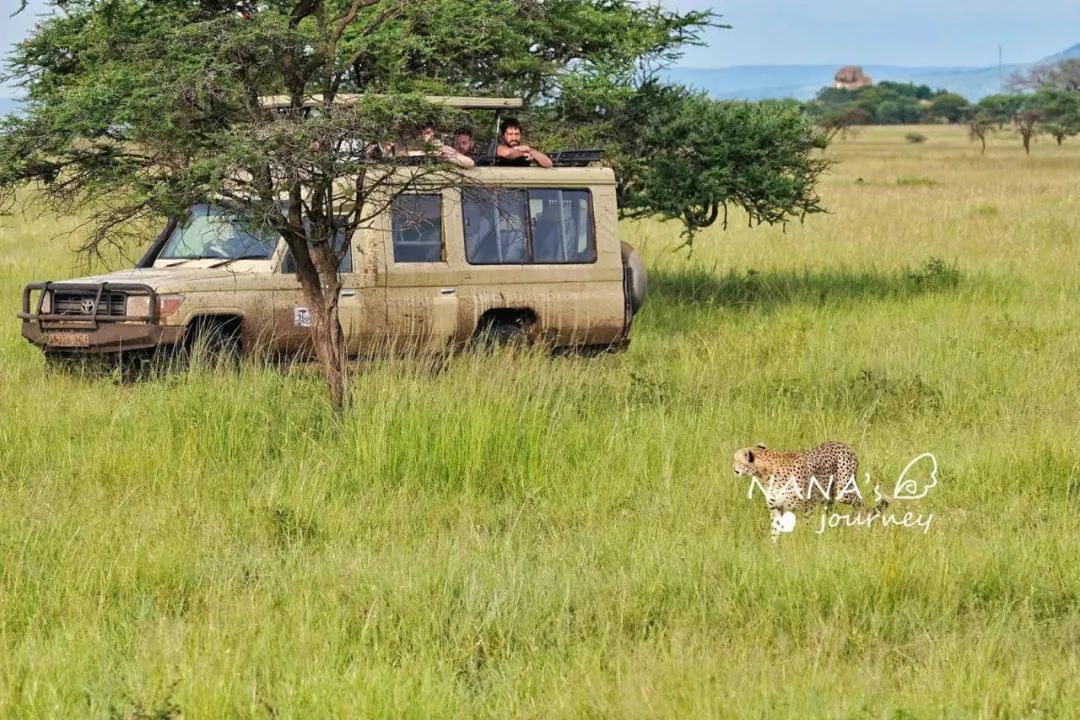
[
  {"x": 1055, "y": 103},
  {"x": 950, "y": 106},
  {"x": 760, "y": 158},
  {"x": 999, "y": 109},
  {"x": 1061, "y": 112},
  {"x": 137, "y": 109},
  {"x": 1027, "y": 124},
  {"x": 680, "y": 156},
  {"x": 979, "y": 126}
]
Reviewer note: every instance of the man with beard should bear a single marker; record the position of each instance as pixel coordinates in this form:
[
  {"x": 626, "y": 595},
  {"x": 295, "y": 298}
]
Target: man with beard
[{"x": 511, "y": 151}]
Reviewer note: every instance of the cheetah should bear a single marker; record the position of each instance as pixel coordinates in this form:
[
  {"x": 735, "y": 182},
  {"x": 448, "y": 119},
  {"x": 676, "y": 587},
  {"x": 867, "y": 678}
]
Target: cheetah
[{"x": 786, "y": 478}]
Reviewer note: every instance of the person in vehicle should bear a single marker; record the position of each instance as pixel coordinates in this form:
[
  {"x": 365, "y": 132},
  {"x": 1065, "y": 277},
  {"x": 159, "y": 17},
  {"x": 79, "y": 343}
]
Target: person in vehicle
[
  {"x": 428, "y": 143},
  {"x": 463, "y": 142},
  {"x": 512, "y": 151}
]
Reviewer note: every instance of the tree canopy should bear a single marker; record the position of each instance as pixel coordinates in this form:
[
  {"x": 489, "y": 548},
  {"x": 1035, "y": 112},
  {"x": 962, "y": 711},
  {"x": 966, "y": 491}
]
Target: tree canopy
[
  {"x": 885, "y": 103},
  {"x": 1048, "y": 101}
]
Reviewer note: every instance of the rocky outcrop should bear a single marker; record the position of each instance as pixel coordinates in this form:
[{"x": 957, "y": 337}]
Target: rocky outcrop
[{"x": 851, "y": 77}]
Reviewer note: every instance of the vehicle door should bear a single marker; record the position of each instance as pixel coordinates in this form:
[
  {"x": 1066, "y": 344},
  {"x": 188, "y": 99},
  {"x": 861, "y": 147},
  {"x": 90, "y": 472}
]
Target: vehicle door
[
  {"x": 360, "y": 306},
  {"x": 420, "y": 279}
]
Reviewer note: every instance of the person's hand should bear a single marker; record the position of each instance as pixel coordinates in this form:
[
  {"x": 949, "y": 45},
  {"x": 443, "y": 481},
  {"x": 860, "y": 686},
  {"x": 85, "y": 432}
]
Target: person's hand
[{"x": 523, "y": 149}]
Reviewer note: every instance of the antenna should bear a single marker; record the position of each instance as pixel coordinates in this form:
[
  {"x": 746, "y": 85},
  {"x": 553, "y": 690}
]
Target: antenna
[{"x": 1001, "y": 72}]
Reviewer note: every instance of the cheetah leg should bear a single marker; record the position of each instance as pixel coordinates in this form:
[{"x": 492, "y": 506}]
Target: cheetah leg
[
  {"x": 776, "y": 523},
  {"x": 852, "y": 497},
  {"x": 882, "y": 502}
]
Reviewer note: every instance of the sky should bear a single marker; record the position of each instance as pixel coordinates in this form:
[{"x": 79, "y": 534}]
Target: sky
[
  {"x": 836, "y": 32},
  {"x": 872, "y": 32}
]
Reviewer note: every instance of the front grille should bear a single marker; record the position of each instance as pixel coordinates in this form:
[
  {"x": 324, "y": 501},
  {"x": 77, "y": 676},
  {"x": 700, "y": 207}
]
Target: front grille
[{"x": 84, "y": 302}]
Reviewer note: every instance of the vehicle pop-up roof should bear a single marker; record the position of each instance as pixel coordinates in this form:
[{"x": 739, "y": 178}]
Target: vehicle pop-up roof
[
  {"x": 281, "y": 102},
  {"x": 561, "y": 158}
]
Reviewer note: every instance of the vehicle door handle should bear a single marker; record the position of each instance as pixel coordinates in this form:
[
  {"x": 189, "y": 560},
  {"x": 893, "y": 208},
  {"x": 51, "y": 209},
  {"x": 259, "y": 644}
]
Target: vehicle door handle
[
  {"x": 348, "y": 293},
  {"x": 447, "y": 291}
]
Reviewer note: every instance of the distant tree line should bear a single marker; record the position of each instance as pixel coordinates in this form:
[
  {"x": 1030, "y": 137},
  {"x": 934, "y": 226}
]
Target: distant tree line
[
  {"x": 1043, "y": 100},
  {"x": 887, "y": 103}
]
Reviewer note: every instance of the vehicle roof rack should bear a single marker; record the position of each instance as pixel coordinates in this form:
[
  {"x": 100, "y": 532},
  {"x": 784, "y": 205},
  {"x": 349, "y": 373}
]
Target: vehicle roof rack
[
  {"x": 575, "y": 158},
  {"x": 559, "y": 158}
]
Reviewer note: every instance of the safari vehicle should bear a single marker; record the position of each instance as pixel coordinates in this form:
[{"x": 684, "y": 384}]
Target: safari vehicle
[{"x": 537, "y": 256}]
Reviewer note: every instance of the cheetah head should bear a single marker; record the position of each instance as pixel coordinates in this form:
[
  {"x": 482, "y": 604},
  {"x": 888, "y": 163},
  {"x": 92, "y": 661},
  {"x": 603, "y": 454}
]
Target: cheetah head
[{"x": 745, "y": 459}]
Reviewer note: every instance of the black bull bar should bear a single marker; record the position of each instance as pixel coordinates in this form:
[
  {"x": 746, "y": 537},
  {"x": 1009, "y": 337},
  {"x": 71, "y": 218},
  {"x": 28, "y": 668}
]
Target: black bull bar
[{"x": 92, "y": 319}]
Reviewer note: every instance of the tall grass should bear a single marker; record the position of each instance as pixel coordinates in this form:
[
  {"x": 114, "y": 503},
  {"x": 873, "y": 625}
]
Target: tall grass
[{"x": 520, "y": 535}]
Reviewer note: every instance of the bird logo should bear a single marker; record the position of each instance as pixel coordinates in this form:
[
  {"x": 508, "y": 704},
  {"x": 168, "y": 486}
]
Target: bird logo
[{"x": 911, "y": 489}]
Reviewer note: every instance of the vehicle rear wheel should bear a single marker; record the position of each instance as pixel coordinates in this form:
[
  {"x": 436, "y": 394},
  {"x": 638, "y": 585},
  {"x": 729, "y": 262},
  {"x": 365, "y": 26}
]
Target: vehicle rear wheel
[
  {"x": 502, "y": 332},
  {"x": 508, "y": 333},
  {"x": 639, "y": 280}
]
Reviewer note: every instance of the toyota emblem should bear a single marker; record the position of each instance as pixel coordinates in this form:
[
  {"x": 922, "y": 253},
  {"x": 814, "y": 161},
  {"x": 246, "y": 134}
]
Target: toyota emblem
[{"x": 87, "y": 306}]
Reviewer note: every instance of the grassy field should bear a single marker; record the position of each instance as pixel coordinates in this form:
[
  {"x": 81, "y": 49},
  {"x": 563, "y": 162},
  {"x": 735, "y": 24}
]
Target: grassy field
[{"x": 523, "y": 536}]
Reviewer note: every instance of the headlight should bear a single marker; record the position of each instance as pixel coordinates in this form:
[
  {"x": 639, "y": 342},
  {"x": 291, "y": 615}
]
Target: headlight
[
  {"x": 167, "y": 304},
  {"x": 46, "y": 303},
  {"x": 137, "y": 306}
]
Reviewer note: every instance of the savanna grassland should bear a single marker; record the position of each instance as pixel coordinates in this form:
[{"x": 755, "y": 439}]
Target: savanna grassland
[{"x": 525, "y": 536}]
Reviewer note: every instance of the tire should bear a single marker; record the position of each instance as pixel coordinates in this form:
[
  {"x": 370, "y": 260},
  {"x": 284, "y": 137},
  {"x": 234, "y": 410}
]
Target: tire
[
  {"x": 215, "y": 340},
  {"x": 639, "y": 280},
  {"x": 502, "y": 332},
  {"x": 68, "y": 364},
  {"x": 508, "y": 333}
]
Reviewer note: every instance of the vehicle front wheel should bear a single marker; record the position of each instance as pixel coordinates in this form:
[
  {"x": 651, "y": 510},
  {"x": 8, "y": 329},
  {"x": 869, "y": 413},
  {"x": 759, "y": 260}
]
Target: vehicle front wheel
[{"x": 214, "y": 341}]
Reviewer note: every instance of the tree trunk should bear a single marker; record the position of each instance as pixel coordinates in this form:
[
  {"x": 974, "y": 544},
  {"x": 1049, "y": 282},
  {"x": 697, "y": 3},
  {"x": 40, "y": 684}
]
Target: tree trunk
[
  {"x": 328, "y": 340},
  {"x": 322, "y": 289},
  {"x": 1027, "y": 144}
]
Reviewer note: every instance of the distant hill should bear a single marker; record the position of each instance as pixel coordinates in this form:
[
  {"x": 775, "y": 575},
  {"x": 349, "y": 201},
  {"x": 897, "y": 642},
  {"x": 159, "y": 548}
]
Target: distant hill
[{"x": 762, "y": 82}]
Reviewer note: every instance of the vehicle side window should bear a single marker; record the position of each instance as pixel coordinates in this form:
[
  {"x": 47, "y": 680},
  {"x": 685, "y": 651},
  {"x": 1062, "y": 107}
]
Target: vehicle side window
[
  {"x": 288, "y": 265},
  {"x": 538, "y": 225},
  {"x": 561, "y": 226},
  {"x": 495, "y": 227},
  {"x": 416, "y": 222}
]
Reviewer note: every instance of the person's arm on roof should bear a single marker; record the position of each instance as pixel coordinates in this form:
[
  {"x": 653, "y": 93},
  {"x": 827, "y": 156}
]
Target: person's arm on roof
[
  {"x": 539, "y": 158},
  {"x": 524, "y": 151},
  {"x": 459, "y": 159},
  {"x": 511, "y": 153}
]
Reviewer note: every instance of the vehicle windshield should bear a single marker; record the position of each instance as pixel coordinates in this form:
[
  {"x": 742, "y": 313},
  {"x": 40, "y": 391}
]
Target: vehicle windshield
[{"x": 212, "y": 232}]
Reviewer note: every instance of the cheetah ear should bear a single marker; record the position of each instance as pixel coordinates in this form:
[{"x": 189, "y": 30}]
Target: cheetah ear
[
  {"x": 761, "y": 446},
  {"x": 750, "y": 456}
]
